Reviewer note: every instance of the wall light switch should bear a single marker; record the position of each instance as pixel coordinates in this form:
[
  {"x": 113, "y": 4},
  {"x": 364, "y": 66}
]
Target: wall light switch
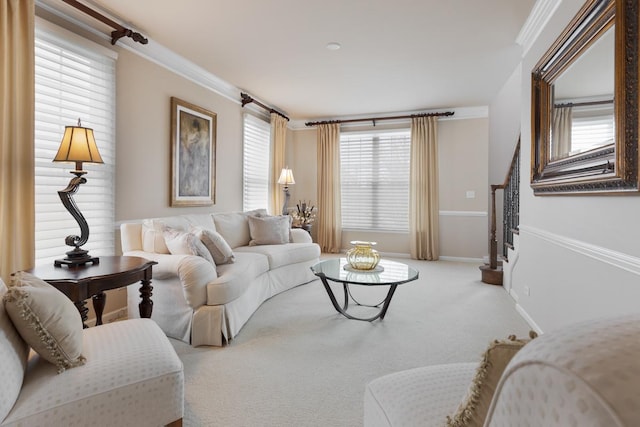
[{"x": 471, "y": 194}]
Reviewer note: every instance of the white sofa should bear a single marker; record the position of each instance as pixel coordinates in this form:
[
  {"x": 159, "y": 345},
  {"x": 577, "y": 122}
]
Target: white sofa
[
  {"x": 587, "y": 375},
  {"x": 131, "y": 377},
  {"x": 205, "y": 304}
]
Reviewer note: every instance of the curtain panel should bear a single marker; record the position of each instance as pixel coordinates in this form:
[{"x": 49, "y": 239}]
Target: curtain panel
[
  {"x": 278, "y": 161},
  {"x": 17, "y": 212},
  {"x": 329, "y": 220},
  {"x": 423, "y": 192},
  {"x": 561, "y": 132}
]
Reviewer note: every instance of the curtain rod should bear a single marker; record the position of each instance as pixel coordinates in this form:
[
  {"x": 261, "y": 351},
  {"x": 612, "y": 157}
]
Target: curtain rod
[
  {"x": 583, "y": 104},
  {"x": 246, "y": 99},
  {"x": 119, "y": 30},
  {"x": 374, "y": 119}
]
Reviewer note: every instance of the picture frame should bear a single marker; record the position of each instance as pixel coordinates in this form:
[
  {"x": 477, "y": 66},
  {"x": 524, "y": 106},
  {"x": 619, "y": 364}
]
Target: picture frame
[{"x": 193, "y": 154}]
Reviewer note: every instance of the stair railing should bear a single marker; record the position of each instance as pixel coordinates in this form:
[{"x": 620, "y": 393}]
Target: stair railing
[{"x": 510, "y": 210}]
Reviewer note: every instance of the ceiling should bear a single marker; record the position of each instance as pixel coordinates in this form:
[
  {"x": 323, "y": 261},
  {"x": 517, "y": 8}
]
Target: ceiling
[{"x": 396, "y": 56}]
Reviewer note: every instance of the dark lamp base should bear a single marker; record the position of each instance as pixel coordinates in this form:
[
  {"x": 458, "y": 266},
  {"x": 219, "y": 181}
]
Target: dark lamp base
[{"x": 75, "y": 258}]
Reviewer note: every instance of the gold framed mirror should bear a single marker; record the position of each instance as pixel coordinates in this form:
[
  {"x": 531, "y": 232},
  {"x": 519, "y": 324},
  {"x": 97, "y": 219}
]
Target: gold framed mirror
[{"x": 584, "y": 105}]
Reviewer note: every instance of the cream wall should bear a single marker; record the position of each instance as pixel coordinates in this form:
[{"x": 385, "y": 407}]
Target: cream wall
[
  {"x": 463, "y": 159},
  {"x": 579, "y": 256}
]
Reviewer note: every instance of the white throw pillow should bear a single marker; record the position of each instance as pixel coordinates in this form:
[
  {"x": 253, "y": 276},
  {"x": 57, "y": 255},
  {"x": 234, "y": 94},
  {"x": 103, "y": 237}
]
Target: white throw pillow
[
  {"x": 46, "y": 319},
  {"x": 184, "y": 243},
  {"x": 234, "y": 226},
  {"x": 220, "y": 250},
  {"x": 269, "y": 230}
]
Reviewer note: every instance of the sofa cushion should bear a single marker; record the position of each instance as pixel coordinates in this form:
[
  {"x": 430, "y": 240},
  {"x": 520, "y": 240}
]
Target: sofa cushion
[
  {"x": 219, "y": 249},
  {"x": 234, "y": 279},
  {"x": 269, "y": 230},
  {"x": 13, "y": 359},
  {"x": 280, "y": 255},
  {"x": 475, "y": 405},
  {"x": 234, "y": 226},
  {"x": 132, "y": 377},
  {"x": 186, "y": 243},
  {"x": 201, "y": 220},
  {"x": 46, "y": 319}
]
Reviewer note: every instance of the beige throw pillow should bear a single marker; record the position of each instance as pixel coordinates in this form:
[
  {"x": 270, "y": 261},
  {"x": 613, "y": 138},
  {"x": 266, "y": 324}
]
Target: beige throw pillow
[
  {"x": 473, "y": 409},
  {"x": 183, "y": 243},
  {"x": 220, "y": 250},
  {"x": 46, "y": 319},
  {"x": 269, "y": 230}
]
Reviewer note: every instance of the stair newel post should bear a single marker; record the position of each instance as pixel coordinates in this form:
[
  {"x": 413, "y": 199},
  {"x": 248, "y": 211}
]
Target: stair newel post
[{"x": 493, "y": 241}]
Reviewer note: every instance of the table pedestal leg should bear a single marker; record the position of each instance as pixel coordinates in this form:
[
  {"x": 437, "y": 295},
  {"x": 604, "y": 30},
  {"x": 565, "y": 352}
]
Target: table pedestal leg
[
  {"x": 146, "y": 305},
  {"x": 99, "y": 301},
  {"x": 84, "y": 310},
  {"x": 343, "y": 310}
]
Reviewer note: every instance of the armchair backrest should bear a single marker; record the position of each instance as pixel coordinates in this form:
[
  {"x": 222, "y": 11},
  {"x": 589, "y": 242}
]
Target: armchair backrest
[
  {"x": 584, "y": 374},
  {"x": 14, "y": 352}
]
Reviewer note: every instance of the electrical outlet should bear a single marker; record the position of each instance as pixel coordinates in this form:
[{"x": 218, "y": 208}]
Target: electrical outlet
[
  {"x": 527, "y": 291},
  {"x": 471, "y": 194}
]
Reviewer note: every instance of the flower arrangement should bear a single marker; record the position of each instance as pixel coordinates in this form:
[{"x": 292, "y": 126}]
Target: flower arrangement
[{"x": 304, "y": 214}]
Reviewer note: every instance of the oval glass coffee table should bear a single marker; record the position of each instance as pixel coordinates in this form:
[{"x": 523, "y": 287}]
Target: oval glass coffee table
[{"x": 388, "y": 273}]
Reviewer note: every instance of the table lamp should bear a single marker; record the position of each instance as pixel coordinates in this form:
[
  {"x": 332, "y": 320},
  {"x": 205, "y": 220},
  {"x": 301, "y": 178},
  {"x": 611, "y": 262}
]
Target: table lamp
[
  {"x": 286, "y": 178},
  {"x": 78, "y": 145}
]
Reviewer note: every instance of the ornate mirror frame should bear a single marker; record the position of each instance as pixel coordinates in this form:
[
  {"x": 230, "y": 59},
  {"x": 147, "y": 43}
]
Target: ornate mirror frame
[{"x": 612, "y": 167}]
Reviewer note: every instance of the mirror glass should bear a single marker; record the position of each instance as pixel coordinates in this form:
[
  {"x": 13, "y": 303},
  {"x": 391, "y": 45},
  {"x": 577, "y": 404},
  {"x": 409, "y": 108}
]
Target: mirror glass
[
  {"x": 584, "y": 102},
  {"x": 582, "y": 113}
]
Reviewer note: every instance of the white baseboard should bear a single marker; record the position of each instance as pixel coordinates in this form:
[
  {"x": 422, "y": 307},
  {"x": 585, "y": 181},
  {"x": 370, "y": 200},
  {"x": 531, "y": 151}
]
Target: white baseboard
[
  {"x": 112, "y": 316},
  {"x": 461, "y": 259},
  {"x": 528, "y": 319}
]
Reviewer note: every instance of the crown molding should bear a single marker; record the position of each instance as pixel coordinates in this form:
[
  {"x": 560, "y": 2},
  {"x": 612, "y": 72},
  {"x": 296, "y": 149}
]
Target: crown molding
[{"x": 540, "y": 15}]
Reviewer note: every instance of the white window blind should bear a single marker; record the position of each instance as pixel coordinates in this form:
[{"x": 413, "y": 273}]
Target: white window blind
[
  {"x": 72, "y": 80},
  {"x": 255, "y": 159},
  {"x": 374, "y": 169},
  {"x": 591, "y": 128}
]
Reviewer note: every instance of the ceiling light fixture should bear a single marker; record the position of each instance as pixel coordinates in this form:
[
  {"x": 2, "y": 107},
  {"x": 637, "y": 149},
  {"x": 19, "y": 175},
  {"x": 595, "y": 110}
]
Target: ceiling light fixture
[{"x": 333, "y": 46}]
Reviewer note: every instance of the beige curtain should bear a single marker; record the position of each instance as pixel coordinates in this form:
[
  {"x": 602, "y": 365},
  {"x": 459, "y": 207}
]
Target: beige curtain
[
  {"x": 329, "y": 218},
  {"x": 561, "y": 132},
  {"x": 423, "y": 192},
  {"x": 17, "y": 223},
  {"x": 278, "y": 160}
]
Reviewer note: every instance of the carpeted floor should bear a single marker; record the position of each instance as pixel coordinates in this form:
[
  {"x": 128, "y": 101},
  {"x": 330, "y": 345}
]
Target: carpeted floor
[{"x": 297, "y": 362}]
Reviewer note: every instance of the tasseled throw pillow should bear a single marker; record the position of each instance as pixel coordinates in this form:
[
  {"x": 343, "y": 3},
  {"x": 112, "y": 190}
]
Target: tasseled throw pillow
[
  {"x": 46, "y": 319},
  {"x": 474, "y": 407}
]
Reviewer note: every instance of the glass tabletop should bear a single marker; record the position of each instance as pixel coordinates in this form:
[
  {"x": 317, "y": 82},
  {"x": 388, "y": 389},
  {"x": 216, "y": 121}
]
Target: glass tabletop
[{"x": 392, "y": 272}]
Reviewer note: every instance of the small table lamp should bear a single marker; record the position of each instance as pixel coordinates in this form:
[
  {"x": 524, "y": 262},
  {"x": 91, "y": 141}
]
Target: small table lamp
[
  {"x": 78, "y": 145},
  {"x": 286, "y": 178}
]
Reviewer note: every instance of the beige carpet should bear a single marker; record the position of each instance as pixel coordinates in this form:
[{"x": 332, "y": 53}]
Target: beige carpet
[{"x": 297, "y": 362}]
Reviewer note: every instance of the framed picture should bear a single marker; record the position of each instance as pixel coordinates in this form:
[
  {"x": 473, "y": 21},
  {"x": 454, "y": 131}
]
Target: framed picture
[{"x": 193, "y": 155}]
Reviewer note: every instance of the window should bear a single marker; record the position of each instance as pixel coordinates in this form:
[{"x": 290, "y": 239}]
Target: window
[
  {"x": 255, "y": 163},
  {"x": 374, "y": 168},
  {"x": 73, "y": 79},
  {"x": 591, "y": 127}
]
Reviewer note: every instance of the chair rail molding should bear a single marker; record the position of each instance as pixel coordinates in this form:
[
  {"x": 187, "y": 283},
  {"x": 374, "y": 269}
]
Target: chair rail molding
[
  {"x": 464, "y": 213},
  {"x": 617, "y": 259}
]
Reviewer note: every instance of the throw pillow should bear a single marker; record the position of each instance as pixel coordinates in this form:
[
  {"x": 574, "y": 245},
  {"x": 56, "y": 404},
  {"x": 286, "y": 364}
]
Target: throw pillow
[
  {"x": 183, "y": 243},
  {"x": 269, "y": 230},
  {"x": 472, "y": 411},
  {"x": 220, "y": 250},
  {"x": 46, "y": 319}
]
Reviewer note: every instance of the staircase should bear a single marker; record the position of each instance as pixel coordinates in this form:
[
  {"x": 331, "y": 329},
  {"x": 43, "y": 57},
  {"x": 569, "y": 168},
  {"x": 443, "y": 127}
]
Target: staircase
[{"x": 492, "y": 272}]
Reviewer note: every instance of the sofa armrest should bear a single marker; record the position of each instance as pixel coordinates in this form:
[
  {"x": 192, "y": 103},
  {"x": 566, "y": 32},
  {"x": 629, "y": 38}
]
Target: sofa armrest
[
  {"x": 193, "y": 271},
  {"x": 298, "y": 235}
]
